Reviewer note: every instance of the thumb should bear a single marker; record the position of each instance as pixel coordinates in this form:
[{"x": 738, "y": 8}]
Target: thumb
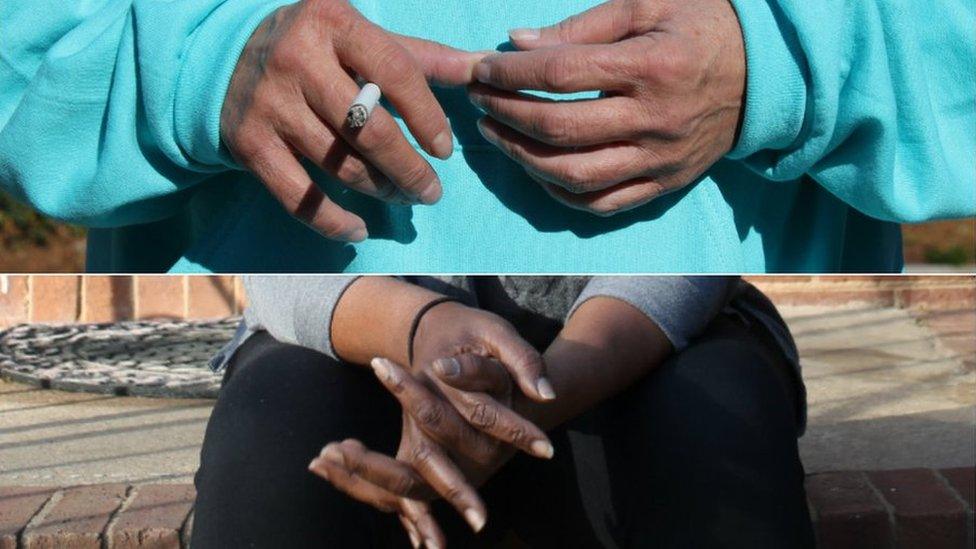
[
  {"x": 471, "y": 372},
  {"x": 603, "y": 24},
  {"x": 442, "y": 65},
  {"x": 523, "y": 363}
]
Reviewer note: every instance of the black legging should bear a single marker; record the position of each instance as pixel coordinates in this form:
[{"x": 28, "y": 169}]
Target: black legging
[{"x": 700, "y": 453}]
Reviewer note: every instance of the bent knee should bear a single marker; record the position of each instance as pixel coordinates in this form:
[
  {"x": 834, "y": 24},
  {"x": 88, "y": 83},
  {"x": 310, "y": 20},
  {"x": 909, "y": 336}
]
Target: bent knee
[{"x": 723, "y": 392}]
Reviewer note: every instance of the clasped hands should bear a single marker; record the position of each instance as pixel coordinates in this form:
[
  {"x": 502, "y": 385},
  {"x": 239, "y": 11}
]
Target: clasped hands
[
  {"x": 671, "y": 77},
  {"x": 460, "y": 421}
]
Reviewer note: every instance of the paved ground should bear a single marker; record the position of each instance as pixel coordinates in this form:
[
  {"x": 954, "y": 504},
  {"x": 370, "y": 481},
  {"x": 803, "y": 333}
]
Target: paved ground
[{"x": 887, "y": 390}]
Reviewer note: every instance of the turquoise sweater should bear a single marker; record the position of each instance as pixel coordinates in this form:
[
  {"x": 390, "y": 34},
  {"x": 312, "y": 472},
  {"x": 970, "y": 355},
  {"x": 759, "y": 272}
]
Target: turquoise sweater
[{"x": 860, "y": 115}]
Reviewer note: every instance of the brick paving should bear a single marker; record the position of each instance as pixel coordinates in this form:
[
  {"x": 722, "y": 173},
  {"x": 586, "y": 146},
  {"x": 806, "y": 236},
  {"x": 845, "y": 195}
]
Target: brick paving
[{"x": 912, "y": 508}]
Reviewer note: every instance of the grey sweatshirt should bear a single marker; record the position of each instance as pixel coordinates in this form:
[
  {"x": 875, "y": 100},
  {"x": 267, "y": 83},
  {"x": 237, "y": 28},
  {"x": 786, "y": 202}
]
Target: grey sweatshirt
[{"x": 298, "y": 309}]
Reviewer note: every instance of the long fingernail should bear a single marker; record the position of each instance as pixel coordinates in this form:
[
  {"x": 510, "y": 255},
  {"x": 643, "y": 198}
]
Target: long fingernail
[
  {"x": 431, "y": 194},
  {"x": 443, "y": 144},
  {"x": 475, "y": 518},
  {"x": 542, "y": 449},
  {"x": 524, "y": 35},
  {"x": 382, "y": 368},
  {"x": 414, "y": 540},
  {"x": 545, "y": 388},
  {"x": 447, "y": 367}
]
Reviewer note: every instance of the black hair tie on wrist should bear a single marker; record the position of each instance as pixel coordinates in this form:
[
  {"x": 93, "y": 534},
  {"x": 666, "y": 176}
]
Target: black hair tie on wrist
[{"x": 416, "y": 323}]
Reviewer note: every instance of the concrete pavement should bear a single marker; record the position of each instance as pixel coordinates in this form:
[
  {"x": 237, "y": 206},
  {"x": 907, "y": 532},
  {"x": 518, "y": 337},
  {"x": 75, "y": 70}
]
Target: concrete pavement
[{"x": 885, "y": 393}]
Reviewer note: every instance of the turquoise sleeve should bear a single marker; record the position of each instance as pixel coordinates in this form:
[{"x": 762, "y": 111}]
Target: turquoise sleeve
[
  {"x": 110, "y": 110},
  {"x": 875, "y": 100}
]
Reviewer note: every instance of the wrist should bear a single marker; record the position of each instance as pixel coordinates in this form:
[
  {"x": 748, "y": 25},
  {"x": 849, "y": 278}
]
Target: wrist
[
  {"x": 421, "y": 329},
  {"x": 374, "y": 318},
  {"x": 606, "y": 346},
  {"x": 210, "y": 58}
]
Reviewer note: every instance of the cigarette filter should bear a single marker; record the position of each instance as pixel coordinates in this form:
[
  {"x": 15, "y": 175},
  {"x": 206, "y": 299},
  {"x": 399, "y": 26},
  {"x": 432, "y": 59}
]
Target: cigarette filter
[{"x": 363, "y": 105}]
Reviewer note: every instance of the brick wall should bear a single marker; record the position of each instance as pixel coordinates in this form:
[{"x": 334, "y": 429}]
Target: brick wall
[
  {"x": 924, "y": 292},
  {"x": 96, "y": 298}
]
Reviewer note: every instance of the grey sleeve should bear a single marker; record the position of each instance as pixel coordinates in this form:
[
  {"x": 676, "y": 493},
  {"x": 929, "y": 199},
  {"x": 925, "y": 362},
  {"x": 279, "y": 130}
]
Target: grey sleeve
[
  {"x": 681, "y": 305},
  {"x": 295, "y": 309}
]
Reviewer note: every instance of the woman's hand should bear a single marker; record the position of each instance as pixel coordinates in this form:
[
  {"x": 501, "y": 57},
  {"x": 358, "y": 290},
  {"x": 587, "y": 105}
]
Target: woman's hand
[
  {"x": 452, "y": 329},
  {"x": 605, "y": 346},
  {"x": 672, "y": 75},
  {"x": 290, "y": 93},
  {"x": 440, "y": 452}
]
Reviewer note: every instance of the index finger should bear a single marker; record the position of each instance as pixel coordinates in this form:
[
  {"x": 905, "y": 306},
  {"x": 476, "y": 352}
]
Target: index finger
[{"x": 561, "y": 69}]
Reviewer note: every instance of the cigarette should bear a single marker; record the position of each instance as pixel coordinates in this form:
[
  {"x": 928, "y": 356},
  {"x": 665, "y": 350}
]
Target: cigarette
[{"x": 363, "y": 105}]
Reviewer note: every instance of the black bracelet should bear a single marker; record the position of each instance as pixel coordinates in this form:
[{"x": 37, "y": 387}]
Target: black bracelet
[{"x": 416, "y": 323}]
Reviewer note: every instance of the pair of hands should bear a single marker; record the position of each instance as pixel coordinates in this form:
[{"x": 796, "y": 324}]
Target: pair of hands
[
  {"x": 671, "y": 73},
  {"x": 460, "y": 422}
]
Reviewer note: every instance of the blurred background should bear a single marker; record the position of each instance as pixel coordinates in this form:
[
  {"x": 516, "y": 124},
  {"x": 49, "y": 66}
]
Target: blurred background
[{"x": 31, "y": 243}]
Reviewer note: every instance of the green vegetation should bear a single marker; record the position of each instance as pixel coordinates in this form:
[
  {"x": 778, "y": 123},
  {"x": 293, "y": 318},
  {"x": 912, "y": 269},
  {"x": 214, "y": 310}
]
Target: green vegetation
[
  {"x": 21, "y": 226},
  {"x": 953, "y": 255}
]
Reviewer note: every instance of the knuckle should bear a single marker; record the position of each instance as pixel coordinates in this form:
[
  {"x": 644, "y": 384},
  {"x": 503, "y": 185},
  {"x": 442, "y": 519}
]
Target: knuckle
[
  {"x": 335, "y": 15},
  {"x": 557, "y": 73},
  {"x": 330, "y": 226},
  {"x": 398, "y": 67},
  {"x": 517, "y": 435},
  {"x": 245, "y": 146},
  {"x": 420, "y": 453},
  {"x": 287, "y": 58},
  {"x": 577, "y": 177},
  {"x": 387, "y": 192},
  {"x": 483, "y": 415},
  {"x": 556, "y": 129},
  {"x": 379, "y": 135},
  {"x": 351, "y": 170},
  {"x": 454, "y": 493},
  {"x": 415, "y": 176},
  {"x": 430, "y": 414},
  {"x": 670, "y": 67},
  {"x": 403, "y": 484}
]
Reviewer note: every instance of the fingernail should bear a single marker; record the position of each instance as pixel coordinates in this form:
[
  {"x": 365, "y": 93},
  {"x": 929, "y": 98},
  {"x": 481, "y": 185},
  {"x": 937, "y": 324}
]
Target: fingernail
[
  {"x": 382, "y": 368},
  {"x": 482, "y": 72},
  {"x": 414, "y": 540},
  {"x": 329, "y": 453},
  {"x": 542, "y": 449},
  {"x": 523, "y": 35},
  {"x": 431, "y": 194},
  {"x": 313, "y": 464},
  {"x": 545, "y": 388},
  {"x": 357, "y": 235},
  {"x": 475, "y": 518},
  {"x": 483, "y": 129},
  {"x": 447, "y": 367},
  {"x": 443, "y": 145},
  {"x": 431, "y": 544},
  {"x": 476, "y": 99}
]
